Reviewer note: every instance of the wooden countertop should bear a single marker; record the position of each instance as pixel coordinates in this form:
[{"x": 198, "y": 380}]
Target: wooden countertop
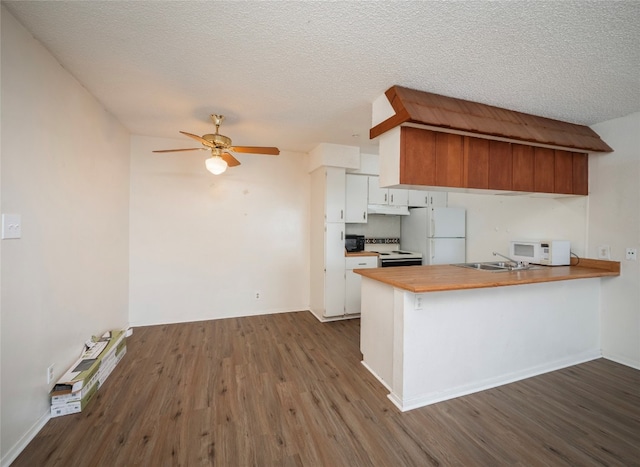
[
  {"x": 420, "y": 279},
  {"x": 349, "y": 254}
]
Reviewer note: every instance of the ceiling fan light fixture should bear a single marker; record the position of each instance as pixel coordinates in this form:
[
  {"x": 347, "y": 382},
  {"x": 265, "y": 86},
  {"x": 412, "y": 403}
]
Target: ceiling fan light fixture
[
  {"x": 220, "y": 145},
  {"x": 216, "y": 165}
]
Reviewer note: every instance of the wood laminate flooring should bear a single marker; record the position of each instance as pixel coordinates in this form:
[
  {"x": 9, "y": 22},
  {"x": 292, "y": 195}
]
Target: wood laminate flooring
[{"x": 287, "y": 390}]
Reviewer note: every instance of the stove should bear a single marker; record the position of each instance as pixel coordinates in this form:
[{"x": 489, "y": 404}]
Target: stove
[{"x": 398, "y": 258}]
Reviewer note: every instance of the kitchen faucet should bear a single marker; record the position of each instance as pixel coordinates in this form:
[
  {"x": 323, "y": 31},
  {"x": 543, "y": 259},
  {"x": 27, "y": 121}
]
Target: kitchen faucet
[{"x": 516, "y": 264}]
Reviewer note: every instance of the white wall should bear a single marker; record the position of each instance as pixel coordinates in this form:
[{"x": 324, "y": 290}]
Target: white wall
[
  {"x": 614, "y": 220},
  {"x": 203, "y": 245},
  {"x": 494, "y": 220},
  {"x": 65, "y": 169}
]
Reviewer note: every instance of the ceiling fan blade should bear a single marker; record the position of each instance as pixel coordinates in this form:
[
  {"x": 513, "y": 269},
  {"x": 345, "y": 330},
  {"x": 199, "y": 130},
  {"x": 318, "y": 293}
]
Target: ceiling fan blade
[
  {"x": 229, "y": 159},
  {"x": 256, "y": 150},
  {"x": 198, "y": 138},
  {"x": 176, "y": 150}
]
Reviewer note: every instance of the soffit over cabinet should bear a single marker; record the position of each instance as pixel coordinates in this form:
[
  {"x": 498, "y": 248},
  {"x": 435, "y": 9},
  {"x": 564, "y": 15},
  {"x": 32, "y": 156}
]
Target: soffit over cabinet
[
  {"x": 437, "y": 141},
  {"x": 406, "y": 105}
]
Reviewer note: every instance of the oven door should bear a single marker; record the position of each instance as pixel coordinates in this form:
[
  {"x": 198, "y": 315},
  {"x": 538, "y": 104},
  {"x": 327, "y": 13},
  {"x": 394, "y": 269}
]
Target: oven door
[{"x": 387, "y": 263}]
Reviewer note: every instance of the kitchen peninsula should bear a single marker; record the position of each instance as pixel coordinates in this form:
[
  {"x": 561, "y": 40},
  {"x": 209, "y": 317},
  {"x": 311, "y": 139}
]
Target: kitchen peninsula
[{"x": 432, "y": 333}]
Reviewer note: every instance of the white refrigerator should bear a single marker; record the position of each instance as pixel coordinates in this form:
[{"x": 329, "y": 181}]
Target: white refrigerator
[{"x": 437, "y": 233}]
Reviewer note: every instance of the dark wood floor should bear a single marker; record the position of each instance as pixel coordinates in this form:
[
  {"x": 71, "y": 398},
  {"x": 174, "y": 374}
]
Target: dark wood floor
[{"x": 287, "y": 390}]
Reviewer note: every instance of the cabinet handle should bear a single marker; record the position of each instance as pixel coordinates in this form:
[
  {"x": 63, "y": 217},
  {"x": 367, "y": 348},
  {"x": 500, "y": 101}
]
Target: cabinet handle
[
  {"x": 341, "y": 214},
  {"x": 392, "y": 198},
  {"x": 362, "y": 264},
  {"x": 385, "y": 197},
  {"x": 426, "y": 200},
  {"x": 341, "y": 235},
  {"x": 364, "y": 215}
]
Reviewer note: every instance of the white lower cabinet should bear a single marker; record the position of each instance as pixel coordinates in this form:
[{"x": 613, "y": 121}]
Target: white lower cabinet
[
  {"x": 353, "y": 281},
  {"x": 334, "y": 290}
]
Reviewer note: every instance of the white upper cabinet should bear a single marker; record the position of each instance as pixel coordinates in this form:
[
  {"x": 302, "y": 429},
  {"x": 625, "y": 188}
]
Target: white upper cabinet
[
  {"x": 398, "y": 197},
  {"x": 335, "y": 194},
  {"x": 356, "y": 203},
  {"x": 376, "y": 194},
  {"x": 392, "y": 197},
  {"x": 427, "y": 199}
]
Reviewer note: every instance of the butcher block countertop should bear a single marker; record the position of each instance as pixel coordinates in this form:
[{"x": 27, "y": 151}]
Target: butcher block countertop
[
  {"x": 350, "y": 254},
  {"x": 420, "y": 279}
]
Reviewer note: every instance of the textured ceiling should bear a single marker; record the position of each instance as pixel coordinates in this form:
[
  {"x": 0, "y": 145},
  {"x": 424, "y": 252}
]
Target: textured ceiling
[{"x": 294, "y": 74}]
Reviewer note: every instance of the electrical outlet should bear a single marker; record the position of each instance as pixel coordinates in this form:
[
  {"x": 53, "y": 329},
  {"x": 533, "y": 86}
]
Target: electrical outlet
[
  {"x": 604, "y": 252},
  {"x": 257, "y": 295},
  {"x": 11, "y": 226},
  {"x": 50, "y": 374},
  {"x": 632, "y": 254},
  {"x": 418, "y": 302}
]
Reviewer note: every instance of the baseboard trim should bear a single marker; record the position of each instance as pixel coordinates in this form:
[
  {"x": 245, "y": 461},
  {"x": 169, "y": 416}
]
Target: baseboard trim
[
  {"x": 427, "y": 399},
  {"x": 623, "y": 361},
  {"x": 13, "y": 453},
  {"x": 136, "y": 324},
  {"x": 387, "y": 387}
]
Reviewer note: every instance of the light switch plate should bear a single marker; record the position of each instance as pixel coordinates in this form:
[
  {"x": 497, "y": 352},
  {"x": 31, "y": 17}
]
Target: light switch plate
[{"x": 11, "y": 226}]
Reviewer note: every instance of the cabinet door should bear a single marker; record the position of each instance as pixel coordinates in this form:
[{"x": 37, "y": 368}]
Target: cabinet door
[
  {"x": 580, "y": 174},
  {"x": 500, "y": 166},
  {"x": 417, "y": 156},
  {"x": 523, "y": 171},
  {"x": 356, "y": 198},
  {"x": 419, "y": 198},
  {"x": 438, "y": 199},
  {"x": 563, "y": 182},
  {"x": 476, "y": 162},
  {"x": 449, "y": 160},
  {"x": 426, "y": 199},
  {"x": 335, "y": 194},
  {"x": 398, "y": 197},
  {"x": 352, "y": 293},
  {"x": 334, "y": 281},
  {"x": 377, "y": 195},
  {"x": 353, "y": 282},
  {"x": 543, "y": 170}
]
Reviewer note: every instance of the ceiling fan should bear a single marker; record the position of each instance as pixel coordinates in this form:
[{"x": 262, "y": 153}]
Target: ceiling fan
[{"x": 219, "y": 145}]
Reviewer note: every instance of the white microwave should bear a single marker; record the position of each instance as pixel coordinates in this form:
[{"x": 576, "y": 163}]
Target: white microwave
[{"x": 545, "y": 252}]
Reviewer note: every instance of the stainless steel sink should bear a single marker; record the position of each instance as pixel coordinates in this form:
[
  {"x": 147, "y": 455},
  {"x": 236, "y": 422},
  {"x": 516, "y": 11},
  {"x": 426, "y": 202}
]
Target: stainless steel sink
[{"x": 496, "y": 266}]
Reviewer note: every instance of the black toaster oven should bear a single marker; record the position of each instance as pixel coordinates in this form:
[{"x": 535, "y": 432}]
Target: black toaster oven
[{"x": 354, "y": 243}]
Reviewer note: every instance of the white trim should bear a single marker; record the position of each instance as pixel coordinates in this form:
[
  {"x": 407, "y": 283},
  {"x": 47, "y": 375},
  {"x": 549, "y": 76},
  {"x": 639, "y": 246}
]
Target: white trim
[
  {"x": 22, "y": 443},
  {"x": 136, "y": 324},
  {"x": 623, "y": 361},
  {"x": 387, "y": 387},
  {"x": 428, "y": 399}
]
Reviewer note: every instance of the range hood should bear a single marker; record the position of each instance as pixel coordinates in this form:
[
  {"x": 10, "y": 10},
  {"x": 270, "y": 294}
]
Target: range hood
[{"x": 388, "y": 210}]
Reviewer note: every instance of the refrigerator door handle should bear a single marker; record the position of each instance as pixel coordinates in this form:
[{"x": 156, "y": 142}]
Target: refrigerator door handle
[
  {"x": 433, "y": 250},
  {"x": 432, "y": 226}
]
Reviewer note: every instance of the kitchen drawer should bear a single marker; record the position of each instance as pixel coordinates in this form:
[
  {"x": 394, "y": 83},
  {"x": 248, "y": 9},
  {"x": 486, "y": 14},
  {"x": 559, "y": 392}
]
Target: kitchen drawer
[{"x": 361, "y": 262}]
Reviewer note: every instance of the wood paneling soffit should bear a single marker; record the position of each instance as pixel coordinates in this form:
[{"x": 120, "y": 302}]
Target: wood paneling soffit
[{"x": 425, "y": 108}]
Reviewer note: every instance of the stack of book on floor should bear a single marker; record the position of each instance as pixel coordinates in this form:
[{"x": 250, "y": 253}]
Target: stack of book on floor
[{"x": 77, "y": 386}]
